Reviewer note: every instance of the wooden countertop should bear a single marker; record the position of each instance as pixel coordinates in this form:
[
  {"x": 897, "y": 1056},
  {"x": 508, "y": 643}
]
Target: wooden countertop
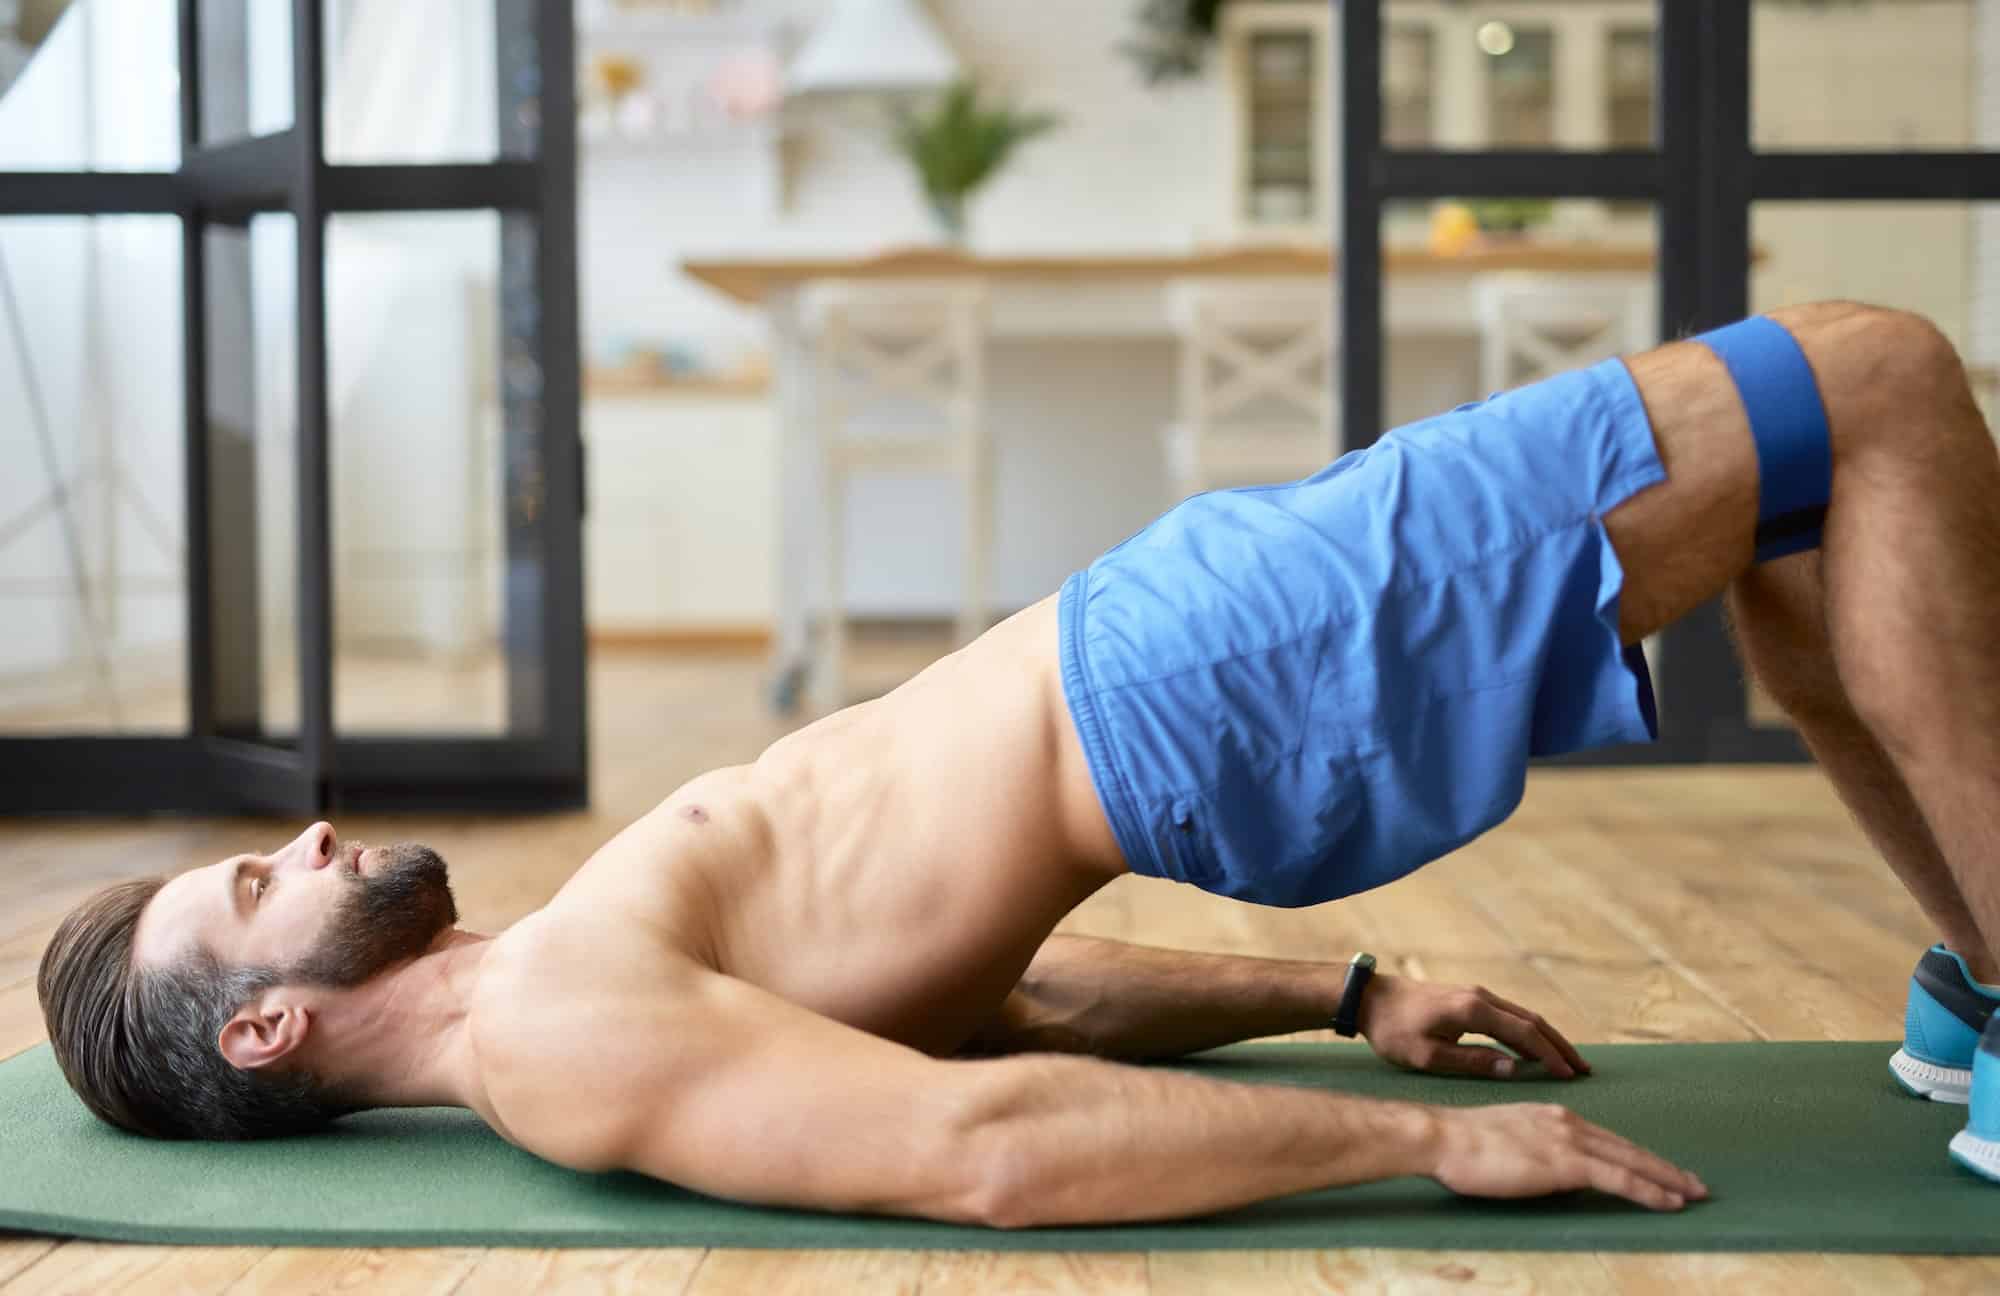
[
  {"x": 612, "y": 381},
  {"x": 752, "y": 279}
]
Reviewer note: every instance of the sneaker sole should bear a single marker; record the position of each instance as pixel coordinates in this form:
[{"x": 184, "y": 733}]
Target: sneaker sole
[
  {"x": 1981, "y": 1156},
  {"x": 1929, "y": 1080}
]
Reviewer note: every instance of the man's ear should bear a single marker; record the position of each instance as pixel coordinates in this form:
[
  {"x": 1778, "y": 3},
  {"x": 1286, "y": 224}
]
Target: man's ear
[{"x": 266, "y": 1031}]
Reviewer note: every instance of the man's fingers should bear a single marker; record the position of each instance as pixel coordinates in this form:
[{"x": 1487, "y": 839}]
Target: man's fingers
[
  {"x": 1610, "y": 1177},
  {"x": 1469, "y": 1060},
  {"x": 1607, "y": 1146},
  {"x": 1541, "y": 1023},
  {"x": 1521, "y": 1035}
]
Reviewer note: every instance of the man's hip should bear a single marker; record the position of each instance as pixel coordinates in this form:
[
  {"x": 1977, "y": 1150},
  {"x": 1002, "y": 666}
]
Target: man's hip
[{"x": 1291, "y": 693}]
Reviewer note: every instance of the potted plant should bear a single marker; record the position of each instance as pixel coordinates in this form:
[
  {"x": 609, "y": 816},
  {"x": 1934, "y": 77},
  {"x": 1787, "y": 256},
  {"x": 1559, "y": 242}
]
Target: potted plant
[
  {"x": 958, "y": 143},
  {"x": 1174, "y": 37}
]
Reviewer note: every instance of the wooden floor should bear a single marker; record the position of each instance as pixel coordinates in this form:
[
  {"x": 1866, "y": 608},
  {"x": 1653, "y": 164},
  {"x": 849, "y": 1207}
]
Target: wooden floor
[{"x": 1719, "y": 904}]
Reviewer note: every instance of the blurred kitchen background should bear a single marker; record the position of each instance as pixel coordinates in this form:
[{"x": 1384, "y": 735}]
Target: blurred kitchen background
[{"x": 901, "y": 308}]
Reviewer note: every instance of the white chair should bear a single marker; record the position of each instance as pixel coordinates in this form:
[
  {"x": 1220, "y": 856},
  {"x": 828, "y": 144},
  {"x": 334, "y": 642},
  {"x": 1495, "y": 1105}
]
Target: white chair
[
  {"x": 1534, "y": 325},
  {"x": 1257, "y": 398},
  {"x": 891, "y": 360}
]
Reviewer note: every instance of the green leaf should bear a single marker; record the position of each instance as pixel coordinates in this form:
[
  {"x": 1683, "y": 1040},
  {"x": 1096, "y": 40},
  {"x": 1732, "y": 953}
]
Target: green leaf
[{"x": 958, "y": 142}]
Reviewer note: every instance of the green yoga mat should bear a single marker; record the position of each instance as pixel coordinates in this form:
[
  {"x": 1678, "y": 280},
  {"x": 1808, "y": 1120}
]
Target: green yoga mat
[{"x": 1806, "y": 1147}]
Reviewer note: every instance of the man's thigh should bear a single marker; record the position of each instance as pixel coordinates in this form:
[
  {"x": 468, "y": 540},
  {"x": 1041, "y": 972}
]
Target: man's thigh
[{"x": 1684, "y": 541}]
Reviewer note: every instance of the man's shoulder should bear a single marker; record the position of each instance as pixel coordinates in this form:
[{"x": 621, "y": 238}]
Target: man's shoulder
[
  {"x": 568, "y": 1023},
  {"x": 566, "y": 961}
]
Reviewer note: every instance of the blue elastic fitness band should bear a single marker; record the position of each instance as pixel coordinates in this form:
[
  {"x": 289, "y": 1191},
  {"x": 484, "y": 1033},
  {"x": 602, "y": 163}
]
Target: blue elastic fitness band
[{"x": 1788, "y": 423}]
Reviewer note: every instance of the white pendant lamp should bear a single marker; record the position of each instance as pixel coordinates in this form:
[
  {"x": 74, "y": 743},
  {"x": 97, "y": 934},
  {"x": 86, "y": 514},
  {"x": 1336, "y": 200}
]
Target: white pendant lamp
[{"x": 874, "y": 45}]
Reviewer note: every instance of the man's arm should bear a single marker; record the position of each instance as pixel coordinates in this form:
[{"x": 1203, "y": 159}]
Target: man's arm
[
  {"x": 1104, "y": 997},
  {"x": 733, "y": 1091}
]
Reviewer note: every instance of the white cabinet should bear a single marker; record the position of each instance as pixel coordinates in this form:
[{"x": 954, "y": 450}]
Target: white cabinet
[
  {"x": 1278, "y": 58},
  {"x": 683, "y": 512}
]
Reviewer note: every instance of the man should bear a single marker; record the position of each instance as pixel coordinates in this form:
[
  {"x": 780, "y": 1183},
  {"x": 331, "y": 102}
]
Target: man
[{"x": 826, "y": 979}]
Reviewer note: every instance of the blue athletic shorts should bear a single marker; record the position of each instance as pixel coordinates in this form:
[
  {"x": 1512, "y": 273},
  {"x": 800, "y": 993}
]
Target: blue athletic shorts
[{"x": 1291, "y": 693}]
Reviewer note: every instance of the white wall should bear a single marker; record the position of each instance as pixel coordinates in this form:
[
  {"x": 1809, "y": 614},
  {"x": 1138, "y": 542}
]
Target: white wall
[{"x": 1128, "y": 171}]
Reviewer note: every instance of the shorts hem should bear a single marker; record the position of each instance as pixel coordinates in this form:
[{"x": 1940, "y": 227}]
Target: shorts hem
[
  {"x": 1638, "y": 719},
  {"x": 1107, "y": 778}
]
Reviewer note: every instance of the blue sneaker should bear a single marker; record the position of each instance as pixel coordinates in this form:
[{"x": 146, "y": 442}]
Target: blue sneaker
[
  {"x": 1977, "y": 1146},
  {"x": 1941, "y": 1029}
]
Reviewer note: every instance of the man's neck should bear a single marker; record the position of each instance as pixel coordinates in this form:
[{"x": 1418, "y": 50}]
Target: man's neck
[{"x": 399, "y": 1040}]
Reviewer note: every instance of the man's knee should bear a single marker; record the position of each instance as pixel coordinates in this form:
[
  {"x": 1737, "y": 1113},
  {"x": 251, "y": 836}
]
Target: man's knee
[
  {"x": 1917, "y": 361},
  {"x": 1887, "y": 377}
]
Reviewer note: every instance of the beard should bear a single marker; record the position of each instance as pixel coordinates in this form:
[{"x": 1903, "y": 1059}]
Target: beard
[{"x": 385, "y": 918}]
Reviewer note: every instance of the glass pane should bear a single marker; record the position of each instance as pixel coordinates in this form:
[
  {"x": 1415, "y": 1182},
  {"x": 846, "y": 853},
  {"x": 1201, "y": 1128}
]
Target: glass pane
[
  {"x": 246, "y": 68},
  {"x": 1409, "y": 81},
  {"x": 1628, "y": 96},
  {"x": 1493, "y": 293},
  {"x": 1282, "y": 129},
  {"x": 414, "y": 350},
  {"x": 1914, "y": 75},
  {"x": 1520, "y": 84},
  {"x": 446, "y": 81},
  {"x": 1939, "y": 259},
  {"x": 93, "y": 558},
  {"x": 1522, "y": 75},
  {"x": 1628, "y": 87},
  {"x": 252, "y": 288},
  {"x": 96, "y": 90}
]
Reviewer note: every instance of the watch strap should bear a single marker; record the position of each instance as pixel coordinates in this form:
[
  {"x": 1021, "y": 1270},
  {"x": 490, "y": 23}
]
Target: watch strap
[{"x": 1346, "y": 1017}]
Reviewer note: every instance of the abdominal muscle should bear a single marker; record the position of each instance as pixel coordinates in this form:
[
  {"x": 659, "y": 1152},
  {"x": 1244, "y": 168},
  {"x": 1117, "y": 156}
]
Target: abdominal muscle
[{"x": 920, "y": 847}]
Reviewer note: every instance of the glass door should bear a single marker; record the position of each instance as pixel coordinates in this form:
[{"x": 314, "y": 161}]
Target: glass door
[{"x": 302, "y": 527}]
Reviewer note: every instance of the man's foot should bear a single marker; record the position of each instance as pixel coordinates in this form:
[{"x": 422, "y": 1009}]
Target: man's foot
[
  {"x": 1977, "y": 1146},
  {"x": 1941, "y": 1029}
]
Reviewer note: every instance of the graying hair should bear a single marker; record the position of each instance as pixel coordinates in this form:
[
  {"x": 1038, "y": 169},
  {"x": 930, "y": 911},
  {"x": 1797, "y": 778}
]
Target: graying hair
[{"x": 139, "y": 1044}]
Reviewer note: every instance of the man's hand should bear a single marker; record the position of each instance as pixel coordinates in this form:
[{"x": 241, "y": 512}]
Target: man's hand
[
  {"x": 1532, "y": 1149},
  {"x": 1418, "y": 1025}
]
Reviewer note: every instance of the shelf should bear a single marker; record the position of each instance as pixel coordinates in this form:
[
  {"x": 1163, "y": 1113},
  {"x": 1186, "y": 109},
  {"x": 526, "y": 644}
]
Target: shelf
[
  {"x": 724, "y": 28},
  {"x": 629, "y": 382},
  {"x": 744, "y": 135}
]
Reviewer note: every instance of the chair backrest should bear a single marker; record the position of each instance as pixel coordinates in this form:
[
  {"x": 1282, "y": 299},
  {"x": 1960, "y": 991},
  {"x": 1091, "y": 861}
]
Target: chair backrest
[
  {"x": 897, "y": 344},
  {"x": 1535, "y": 325},
  {"x": 1255, "y": 352}
]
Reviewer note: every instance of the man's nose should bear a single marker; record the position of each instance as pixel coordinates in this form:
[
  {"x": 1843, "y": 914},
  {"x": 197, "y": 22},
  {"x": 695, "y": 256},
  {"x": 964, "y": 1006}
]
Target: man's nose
[{"x": 313, "y": 848}]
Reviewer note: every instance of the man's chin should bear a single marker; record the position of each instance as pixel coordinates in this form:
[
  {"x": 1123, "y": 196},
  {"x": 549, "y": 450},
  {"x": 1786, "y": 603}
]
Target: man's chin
[{"x": 399, "y": 909}]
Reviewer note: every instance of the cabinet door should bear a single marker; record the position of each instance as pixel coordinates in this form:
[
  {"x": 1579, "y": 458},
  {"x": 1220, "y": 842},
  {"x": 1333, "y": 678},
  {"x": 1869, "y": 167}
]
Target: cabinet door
[{"x": 1282, "y": 95}]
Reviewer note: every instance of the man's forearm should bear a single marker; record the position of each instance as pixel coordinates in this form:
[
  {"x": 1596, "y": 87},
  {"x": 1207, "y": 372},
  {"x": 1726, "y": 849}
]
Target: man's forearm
[
  {"x": 1085, "y": 995},
  {"x": 1078, "y": 1140}
]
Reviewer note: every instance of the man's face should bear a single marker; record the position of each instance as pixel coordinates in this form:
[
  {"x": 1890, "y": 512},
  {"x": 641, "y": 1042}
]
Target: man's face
[{"x": 320, "y": 911}]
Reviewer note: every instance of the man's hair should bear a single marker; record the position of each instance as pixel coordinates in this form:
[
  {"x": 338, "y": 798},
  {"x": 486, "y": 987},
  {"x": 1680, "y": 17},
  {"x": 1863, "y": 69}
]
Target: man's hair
[{"x": 139, "y": 1045}]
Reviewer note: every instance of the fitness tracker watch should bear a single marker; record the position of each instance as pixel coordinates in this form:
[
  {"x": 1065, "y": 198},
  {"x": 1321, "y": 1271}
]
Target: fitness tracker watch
[{"x": 1359, "y": 973}]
